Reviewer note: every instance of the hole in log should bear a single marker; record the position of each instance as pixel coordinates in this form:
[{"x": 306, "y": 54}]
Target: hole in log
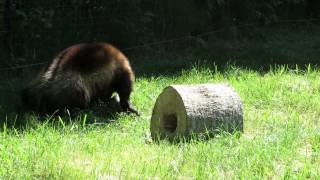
[{"x": 170, "y": 123}]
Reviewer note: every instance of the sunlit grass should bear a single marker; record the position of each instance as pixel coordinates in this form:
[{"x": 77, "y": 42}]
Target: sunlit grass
[{"x": 281, "y": 136}]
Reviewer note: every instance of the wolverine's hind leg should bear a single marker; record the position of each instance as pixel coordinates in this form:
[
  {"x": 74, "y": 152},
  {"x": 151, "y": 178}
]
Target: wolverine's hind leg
[{"x": 123, "y": 86}]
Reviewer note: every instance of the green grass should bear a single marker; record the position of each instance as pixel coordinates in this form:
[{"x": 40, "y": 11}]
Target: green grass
[{"x": 281, "y": 136}]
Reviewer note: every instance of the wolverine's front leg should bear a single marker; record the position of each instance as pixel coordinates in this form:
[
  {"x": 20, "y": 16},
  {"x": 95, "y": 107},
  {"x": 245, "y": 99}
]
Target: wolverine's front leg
[{"x": 124, "y": 87}]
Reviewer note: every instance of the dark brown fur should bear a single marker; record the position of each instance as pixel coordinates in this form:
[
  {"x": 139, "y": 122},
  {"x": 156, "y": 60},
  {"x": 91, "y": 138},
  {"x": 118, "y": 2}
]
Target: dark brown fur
[{"x": 79, "y": 75}]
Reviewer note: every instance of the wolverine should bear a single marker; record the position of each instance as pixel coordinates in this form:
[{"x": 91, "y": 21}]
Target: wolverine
[{"x": 80, "y": 75}]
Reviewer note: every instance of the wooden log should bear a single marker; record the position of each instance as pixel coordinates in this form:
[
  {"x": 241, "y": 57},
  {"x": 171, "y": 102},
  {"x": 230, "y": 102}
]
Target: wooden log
[{"x": 182, "y": 111}]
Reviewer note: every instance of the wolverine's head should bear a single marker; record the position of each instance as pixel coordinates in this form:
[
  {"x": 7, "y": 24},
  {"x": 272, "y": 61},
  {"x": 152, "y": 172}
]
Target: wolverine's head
[{"x": 30, "y": 100}]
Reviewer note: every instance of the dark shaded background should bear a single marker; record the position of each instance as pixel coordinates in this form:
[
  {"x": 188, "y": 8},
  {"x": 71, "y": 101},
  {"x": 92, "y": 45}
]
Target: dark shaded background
[{"x": 34, "y": 30}]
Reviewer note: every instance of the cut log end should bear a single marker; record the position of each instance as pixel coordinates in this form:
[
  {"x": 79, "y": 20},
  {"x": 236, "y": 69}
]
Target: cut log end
[{"x": 181, "y": 111}]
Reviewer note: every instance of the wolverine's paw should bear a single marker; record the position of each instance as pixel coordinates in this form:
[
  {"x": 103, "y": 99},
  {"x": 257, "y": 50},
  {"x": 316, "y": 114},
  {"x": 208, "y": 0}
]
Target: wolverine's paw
[
  {"x": 126, "y": 107},
  {"x": 132, "y": 110}
]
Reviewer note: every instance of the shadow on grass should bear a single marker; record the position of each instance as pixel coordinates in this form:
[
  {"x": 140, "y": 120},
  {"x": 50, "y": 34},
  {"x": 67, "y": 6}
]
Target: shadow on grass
[
  {"x": 99, "y": 112},
  {"x": 257, "y": 50}
]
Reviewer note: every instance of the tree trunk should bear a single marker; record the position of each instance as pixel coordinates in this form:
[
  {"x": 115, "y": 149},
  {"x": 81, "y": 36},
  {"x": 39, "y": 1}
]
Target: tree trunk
[{"x": 181, "y": 111}]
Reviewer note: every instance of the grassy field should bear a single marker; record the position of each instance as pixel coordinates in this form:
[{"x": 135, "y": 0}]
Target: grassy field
[{"x": 281, "y": 136}]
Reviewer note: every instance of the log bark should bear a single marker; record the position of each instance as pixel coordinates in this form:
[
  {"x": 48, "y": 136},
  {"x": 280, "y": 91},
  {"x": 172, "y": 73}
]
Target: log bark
[{"x": 182, "y": 111}]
